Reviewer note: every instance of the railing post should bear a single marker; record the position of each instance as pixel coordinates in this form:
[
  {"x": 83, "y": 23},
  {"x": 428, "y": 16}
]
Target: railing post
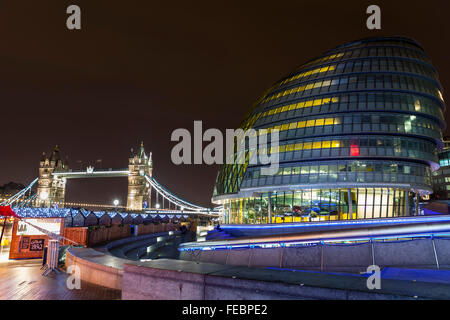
[
  {"x": 417, "y": 205},
  {"x": 270, "y": 207},
  {"x": 373, "y": 252},
  {"x": 350, "y": 204},
  {"x": 435, "y": 252},
  {"x": 281, "y": 255},
  {"x": 321, "y": 255}
]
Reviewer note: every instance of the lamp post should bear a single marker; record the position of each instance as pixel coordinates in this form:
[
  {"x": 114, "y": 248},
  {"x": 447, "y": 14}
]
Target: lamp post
[{"x": 3, "y": 230}]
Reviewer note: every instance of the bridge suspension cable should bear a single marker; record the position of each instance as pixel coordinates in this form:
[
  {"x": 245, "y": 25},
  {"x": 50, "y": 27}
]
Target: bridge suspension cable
[
  {"x": 19, "y": 196},
  {"x": 172, "y": 198}
]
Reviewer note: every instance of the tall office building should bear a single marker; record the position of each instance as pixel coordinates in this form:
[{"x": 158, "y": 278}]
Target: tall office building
[
  {"x": 359, "y": 131},
  {"x": 441, "y": 177}
]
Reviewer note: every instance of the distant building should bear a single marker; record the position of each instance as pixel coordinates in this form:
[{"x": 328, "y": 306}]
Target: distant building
[
  {"x": 51, "y": 189},
  {"x": 139, "y": 165},
  {"x": 9, "y": 189},
  {"x": 54, "y": 172},
  {"x": 441, "y": 177}
]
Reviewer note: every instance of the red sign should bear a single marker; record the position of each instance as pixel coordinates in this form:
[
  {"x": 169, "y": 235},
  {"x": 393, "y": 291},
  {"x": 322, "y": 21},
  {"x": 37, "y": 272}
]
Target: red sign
[{"x": 354, "y": 150}]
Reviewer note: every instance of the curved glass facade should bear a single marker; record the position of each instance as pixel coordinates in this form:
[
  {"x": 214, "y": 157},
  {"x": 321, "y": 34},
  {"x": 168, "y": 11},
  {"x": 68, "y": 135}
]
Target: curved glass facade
[{"x": 359, "y": 129}]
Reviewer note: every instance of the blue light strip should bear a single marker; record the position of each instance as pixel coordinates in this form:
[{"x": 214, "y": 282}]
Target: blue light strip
[
  {"x": 313, "y": 242},
  {"x": 30, "y": 212}
]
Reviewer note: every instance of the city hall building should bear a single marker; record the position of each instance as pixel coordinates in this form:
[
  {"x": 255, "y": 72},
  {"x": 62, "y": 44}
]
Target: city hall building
[{"x": 359, "y": 130}]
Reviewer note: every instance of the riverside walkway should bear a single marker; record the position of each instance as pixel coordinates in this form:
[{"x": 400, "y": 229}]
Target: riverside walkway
[{"x": 23, "y": 280}]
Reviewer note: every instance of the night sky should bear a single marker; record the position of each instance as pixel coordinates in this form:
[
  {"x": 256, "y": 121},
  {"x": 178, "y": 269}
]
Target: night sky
[{"x": 137, "y": 70}]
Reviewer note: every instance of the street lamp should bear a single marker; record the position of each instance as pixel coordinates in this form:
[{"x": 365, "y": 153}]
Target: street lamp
[
  {"x": 116, "y": 202},
  {"x": 157, "y": 206}
]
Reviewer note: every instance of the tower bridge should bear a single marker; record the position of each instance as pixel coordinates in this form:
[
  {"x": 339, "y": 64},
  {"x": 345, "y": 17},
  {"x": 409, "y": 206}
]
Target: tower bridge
[{"x": 48, "y": 190}]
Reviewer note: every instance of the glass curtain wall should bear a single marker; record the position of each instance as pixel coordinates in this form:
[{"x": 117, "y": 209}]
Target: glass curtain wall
[{"x": 321, "y": 205}]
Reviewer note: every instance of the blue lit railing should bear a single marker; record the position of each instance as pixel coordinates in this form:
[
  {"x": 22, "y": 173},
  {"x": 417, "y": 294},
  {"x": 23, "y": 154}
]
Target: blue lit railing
[
  {"x": 286, "y": 244},
  {"x": 415, "y": 219},
  {"x": 413, "y": 227}
]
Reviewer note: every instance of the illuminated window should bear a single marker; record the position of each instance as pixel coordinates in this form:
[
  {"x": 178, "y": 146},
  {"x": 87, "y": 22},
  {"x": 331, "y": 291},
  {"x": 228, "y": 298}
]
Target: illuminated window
[
  {"x": 317, "y": 145},
  {"x": 320, "y": 122},
  {"x": 310, "y": 123},
  {"x": 293, "y": 125},
  {"x": 294, "y": 106},
  {"x": 354, "y": 150},
  {"x": 417, "y": 105},
  {"x": 308, "y": 103},
  {"x": 328, "y": 121},
  {"x": 335, "y": 144},
  {"x": 326, "y": 144},
  {"x": 308, "y": 73}
]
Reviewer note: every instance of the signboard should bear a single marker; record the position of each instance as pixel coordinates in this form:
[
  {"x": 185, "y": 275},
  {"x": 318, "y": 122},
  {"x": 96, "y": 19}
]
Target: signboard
[
  {"x": 25, "y": 243},
  {"x": 35, "y": 226},
  {"x": 37, "y": 244}
]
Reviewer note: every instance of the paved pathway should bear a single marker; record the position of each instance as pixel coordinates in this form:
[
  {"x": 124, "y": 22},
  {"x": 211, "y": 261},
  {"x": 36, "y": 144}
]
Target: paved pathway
[{"x": 23, "y": 280}]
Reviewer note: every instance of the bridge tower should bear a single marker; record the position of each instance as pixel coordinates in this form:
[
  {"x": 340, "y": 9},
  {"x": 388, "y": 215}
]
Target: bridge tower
[
  {"x": 51, "y": 189},
  {"x": 139, "y": 164}
]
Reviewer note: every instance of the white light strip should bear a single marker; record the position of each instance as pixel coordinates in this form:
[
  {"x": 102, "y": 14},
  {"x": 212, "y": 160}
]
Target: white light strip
[
  {"x": 18, "y": 194},
  {"x": 85, "y": 173},
  {"x": 171, "y": 197}
]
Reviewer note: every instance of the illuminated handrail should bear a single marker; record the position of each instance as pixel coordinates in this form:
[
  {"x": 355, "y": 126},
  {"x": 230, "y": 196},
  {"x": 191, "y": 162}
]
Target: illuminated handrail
[{"x": 358, "y": 234}]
